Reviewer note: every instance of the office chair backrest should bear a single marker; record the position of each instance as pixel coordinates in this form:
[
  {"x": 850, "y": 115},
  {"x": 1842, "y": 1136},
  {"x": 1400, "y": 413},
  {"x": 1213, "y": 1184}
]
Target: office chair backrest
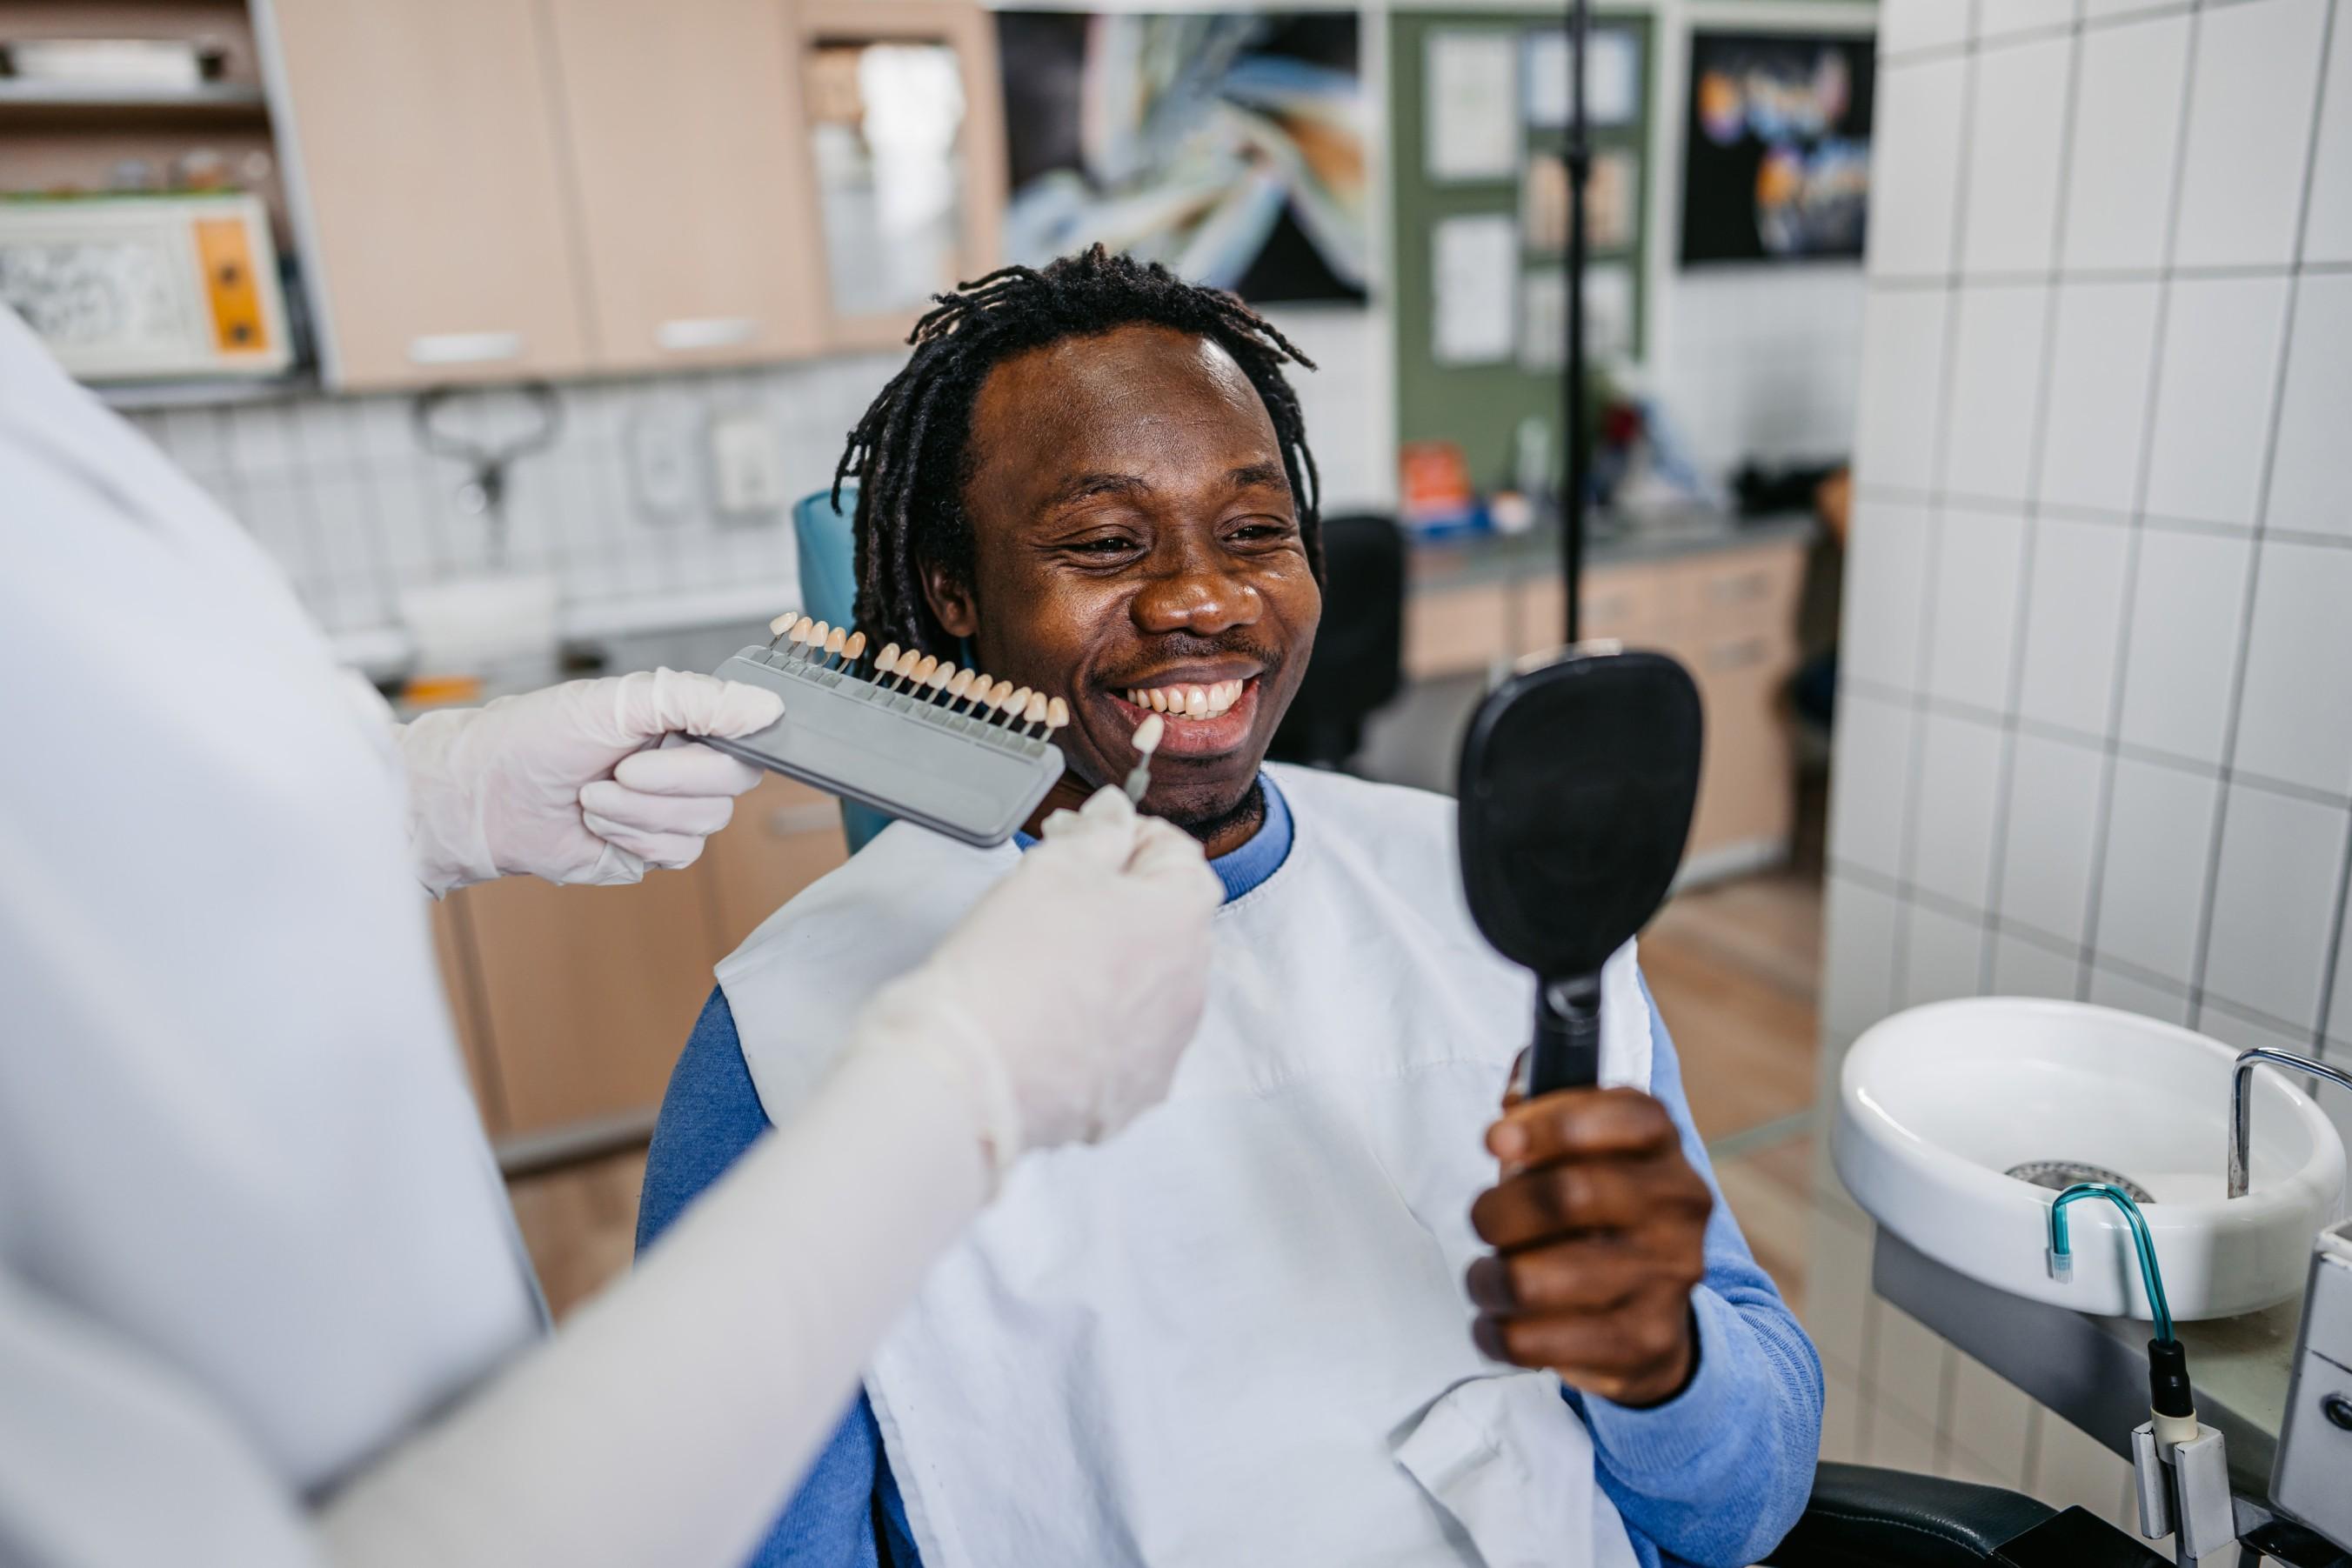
[{"x": 1358, "y": 663}]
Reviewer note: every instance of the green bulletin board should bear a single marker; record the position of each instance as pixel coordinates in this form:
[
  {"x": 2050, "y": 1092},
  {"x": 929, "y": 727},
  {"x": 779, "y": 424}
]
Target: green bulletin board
[{"x": 1479, "y": 407}]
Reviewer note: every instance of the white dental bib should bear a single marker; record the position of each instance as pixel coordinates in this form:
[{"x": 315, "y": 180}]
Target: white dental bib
[{"x": 1236, "y": 1332}]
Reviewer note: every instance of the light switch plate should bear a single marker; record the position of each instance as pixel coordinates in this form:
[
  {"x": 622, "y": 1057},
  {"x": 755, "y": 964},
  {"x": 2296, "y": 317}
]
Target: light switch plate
[
  {"x": 661, "y": 459},
  {"x": 747, "y": 470}
]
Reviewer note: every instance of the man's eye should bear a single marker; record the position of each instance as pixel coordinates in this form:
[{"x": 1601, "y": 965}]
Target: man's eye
[
  {"x": 1261, "y": 530},
  {"x": 1108, "y": 546}
]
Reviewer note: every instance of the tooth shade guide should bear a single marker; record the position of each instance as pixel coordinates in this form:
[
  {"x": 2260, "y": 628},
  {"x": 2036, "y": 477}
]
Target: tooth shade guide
[
  {"x": 1148, "y": 734},
  {"x": 959, "y": 686},
  {"x": 835, "y": 644},
  {"x": 1058, "y": 714},
  {"x": 853, "y": 650}
]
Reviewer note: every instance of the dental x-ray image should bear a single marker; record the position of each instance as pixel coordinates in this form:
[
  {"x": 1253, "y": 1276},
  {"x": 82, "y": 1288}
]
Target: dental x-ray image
[{"x": 1230, "y": 148}]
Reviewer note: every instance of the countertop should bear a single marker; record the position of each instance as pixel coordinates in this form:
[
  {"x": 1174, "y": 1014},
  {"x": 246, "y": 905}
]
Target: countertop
[{"x": 1610, "y": 540}]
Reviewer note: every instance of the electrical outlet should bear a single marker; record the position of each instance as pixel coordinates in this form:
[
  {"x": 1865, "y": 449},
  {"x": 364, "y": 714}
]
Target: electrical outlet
[
  {"x": 747, "y": 469},
  {"x": 661, "y": 459}
]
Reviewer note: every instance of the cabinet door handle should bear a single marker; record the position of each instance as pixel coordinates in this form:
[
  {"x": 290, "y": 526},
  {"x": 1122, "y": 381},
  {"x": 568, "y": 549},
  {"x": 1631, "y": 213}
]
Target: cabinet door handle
[
  {"x": 1736, "y": 656},
  {"x": 1738, "y": 589},
  {"x": 790, "y": 821},
  {"x": 688, "y": 333},
  {"x": 465, "y": 348}
]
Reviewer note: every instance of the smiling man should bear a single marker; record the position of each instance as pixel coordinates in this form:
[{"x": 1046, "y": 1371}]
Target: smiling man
[{"x": 1297, "y": 1314}]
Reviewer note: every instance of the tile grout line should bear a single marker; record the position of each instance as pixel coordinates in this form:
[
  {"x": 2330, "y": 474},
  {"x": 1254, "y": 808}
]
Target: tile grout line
[
  {"x": 1924, "y": 634},
  {"x": 2233, "y": 711},
  {"x": 2030, "y": 534},
  {"x": 2104, "y": 830}
]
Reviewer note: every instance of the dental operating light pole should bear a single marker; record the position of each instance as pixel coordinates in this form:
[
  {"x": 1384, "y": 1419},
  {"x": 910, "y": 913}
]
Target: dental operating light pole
[{"x": 1572, "y": 416}]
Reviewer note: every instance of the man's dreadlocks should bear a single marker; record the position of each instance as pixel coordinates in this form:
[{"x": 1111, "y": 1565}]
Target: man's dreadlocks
[{"x": 912, "y": 453}]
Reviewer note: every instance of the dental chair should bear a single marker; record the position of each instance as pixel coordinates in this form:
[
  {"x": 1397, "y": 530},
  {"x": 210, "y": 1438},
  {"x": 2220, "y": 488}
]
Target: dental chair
[
  {"x": 1863, "y": 1517},
  {"x": 823, "y": 538}
]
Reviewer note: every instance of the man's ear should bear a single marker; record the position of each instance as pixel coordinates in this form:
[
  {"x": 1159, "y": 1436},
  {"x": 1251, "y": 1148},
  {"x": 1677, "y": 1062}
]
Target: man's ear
[{"x": 950, "y": 601}]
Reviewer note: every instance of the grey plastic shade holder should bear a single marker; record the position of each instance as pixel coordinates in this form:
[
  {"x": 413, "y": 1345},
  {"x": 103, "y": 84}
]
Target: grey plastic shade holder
[{"x": 967, "y": 775}]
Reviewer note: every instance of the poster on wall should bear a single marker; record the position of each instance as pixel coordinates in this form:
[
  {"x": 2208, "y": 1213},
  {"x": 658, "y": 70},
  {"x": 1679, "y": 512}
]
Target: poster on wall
[
  {"x": 1776, "y": 162},
  {"x": 1229, "y": 147},
  {"x": 1612, "y": 77}
]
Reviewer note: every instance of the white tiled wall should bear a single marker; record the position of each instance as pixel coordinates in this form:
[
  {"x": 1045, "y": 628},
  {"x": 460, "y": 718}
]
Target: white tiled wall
[{"x": 2096, "y": 730}]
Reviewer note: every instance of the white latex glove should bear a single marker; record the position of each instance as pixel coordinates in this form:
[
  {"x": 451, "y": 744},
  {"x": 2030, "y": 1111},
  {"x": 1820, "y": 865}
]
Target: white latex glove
[
  {"x": 573, "y": 784},
  {"x": 1066, "y": 995}
]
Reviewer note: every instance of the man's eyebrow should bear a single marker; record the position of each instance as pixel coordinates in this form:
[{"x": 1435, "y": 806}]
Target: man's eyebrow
[
  {"x": 1086, "y": 486},
  {"x": 1270, "y": 474}
]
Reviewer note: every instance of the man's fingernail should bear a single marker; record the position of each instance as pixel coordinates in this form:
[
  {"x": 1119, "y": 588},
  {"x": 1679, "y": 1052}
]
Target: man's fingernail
[{"x": 1510, "y": 1141}]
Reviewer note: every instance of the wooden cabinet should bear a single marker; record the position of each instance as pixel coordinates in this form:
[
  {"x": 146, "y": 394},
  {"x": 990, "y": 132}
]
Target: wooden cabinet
[
  {"x": 572, "y": 1002},
  {"x": 684, "y": 126},
  {"x": 1727, "y": 614},
  {"x": 493, "y": 190},
  {"x": 429, "y": 188}
]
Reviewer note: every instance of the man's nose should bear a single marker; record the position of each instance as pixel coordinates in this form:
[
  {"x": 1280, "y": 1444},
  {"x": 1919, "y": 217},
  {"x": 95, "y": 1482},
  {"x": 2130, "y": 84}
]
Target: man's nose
[{"x": 1200, "y": 592}]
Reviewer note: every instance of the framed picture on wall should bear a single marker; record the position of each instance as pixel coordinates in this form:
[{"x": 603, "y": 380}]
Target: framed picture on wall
[
  {"x": 1228, "y": 145},
  {"x": 1776, "y": 147}
]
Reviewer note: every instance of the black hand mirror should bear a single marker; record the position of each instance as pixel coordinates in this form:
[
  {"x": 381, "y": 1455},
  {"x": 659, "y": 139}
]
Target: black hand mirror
[{"x": 1577, "y": 778}]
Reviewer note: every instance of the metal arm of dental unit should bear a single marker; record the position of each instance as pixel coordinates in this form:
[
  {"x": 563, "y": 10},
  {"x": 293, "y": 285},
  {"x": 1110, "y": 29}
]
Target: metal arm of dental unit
[
  {"x": 2241, "y": 1103},
  {"x": 2180, "y": 1468}
]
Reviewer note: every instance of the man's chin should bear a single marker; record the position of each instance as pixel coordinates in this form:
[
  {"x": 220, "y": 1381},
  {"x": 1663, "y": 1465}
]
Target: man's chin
[{"x": 1207, "y": 812}]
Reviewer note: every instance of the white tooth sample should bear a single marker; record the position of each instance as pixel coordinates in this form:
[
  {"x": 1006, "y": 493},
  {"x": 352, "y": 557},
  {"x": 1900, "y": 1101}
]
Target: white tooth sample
[
  {"x": 835, "y": 641},
  {"x": 854, "y": 648},
  {"x": 1058, "y": 714},
  {"x": 1196, "y": 703},
  {"x": 960, "y": 684},
  {"x": 1148, "y": 733},
  {"x": 885, "y": 662},
  {"x": 938, "y": 676},
  {"x": 1034, "y": 710},
  {"x": 783, "y": 623},
  {"x": 1000, "y": 697}
]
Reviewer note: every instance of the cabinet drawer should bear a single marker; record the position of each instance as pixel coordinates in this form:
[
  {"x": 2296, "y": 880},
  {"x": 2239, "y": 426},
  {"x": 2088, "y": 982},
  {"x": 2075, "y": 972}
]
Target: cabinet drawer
[
  {"x": 784, "y": 836},
  {"x": 1738, "y": 591},
  {"x": 1457, "y": 631},
  {"x": 1747, "y": 791}
]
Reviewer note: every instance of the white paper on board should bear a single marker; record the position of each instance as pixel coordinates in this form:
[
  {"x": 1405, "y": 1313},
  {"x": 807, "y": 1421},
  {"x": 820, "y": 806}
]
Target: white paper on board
[
  {"x": 1474, "y": 274},
  {"x": 1613, "y": 77},
  {"x": 1470, "y": 127},
  {"x": 1609, "y": 301}
]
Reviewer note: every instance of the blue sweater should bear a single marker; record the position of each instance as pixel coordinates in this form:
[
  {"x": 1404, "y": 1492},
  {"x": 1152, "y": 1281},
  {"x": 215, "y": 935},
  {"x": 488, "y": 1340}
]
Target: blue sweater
[{"x": 1714, "y": 1476}]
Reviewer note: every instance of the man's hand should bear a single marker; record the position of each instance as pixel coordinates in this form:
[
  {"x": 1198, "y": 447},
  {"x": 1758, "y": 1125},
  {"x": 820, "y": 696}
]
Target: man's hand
[{"x": 1599, "y": 1226}]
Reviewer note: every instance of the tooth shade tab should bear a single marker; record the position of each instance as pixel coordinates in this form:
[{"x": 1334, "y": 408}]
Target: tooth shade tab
[
  {"x": 1148, "y": 733},
  {"x": 1034, "y": 710},
  {"x": 938, "y": 676},
  {"x": 960, "y": 684},
  {"x": 922, "y": 672},
  {"x": 1001, "y": 696},
  {"x": 835, "y": 641},
  {"x": 1058, "y": 714},
  {"x": 783, "y": 623},
  {"x": 855, "y": 648},
  {"x": 885, "y": 662}
]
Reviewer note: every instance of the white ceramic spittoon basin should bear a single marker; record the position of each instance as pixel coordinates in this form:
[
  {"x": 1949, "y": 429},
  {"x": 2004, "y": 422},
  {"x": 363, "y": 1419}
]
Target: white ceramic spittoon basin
[{"x": 1935, "y": 1105}]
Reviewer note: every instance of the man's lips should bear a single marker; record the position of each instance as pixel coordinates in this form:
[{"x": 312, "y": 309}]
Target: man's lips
[{"x": 1189, "y": 736}]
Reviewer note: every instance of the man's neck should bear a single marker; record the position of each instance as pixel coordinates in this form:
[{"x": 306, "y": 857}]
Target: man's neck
[{"x": 1221, "y": 836}]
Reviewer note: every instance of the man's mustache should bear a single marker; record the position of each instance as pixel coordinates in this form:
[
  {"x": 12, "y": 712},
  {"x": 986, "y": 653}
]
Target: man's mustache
[{"x": 1177, "y": 647}]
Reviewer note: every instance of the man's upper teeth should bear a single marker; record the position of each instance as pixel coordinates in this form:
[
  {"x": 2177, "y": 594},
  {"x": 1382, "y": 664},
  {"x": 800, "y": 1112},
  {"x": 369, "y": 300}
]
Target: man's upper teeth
[{"x": 1188, "y": 701}]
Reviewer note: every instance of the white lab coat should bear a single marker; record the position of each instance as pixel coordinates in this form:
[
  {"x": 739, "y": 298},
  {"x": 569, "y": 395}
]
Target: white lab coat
[
  {"x": 234, "y": 1130},
  {"x": 1236, "y": 1333},
  {"x": 253, "y": 1246}
]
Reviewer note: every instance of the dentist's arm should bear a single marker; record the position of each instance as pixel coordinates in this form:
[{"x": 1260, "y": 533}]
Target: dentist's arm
[
  {"x": 573, "y": 783},
  {"x": 671, "y": 1417}
]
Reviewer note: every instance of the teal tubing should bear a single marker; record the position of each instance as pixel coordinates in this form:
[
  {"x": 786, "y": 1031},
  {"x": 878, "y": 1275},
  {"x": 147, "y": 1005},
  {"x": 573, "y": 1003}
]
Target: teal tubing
[{"x": 2151, "y": 1277}]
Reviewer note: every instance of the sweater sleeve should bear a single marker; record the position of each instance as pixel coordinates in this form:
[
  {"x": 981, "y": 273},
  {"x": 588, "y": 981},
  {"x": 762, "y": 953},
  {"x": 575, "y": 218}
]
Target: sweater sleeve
[
  {"x": 1720, "y": 1472},
  {"x": 710, "y": 1115}
]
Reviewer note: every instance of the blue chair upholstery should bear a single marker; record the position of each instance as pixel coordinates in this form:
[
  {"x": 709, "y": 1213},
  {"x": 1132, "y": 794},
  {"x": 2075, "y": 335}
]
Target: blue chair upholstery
[{"x": 827, "y": 547}]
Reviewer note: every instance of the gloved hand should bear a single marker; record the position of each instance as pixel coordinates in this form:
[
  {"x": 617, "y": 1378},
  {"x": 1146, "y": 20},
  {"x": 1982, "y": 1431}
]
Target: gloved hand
[
  {"x": 571, "y": 783},
  {"x": 1066, "y": 995}
]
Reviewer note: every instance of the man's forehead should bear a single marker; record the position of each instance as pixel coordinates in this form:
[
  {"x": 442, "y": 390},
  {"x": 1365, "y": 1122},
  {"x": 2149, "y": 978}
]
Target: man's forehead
[{"x": 1134, "y": 399}]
